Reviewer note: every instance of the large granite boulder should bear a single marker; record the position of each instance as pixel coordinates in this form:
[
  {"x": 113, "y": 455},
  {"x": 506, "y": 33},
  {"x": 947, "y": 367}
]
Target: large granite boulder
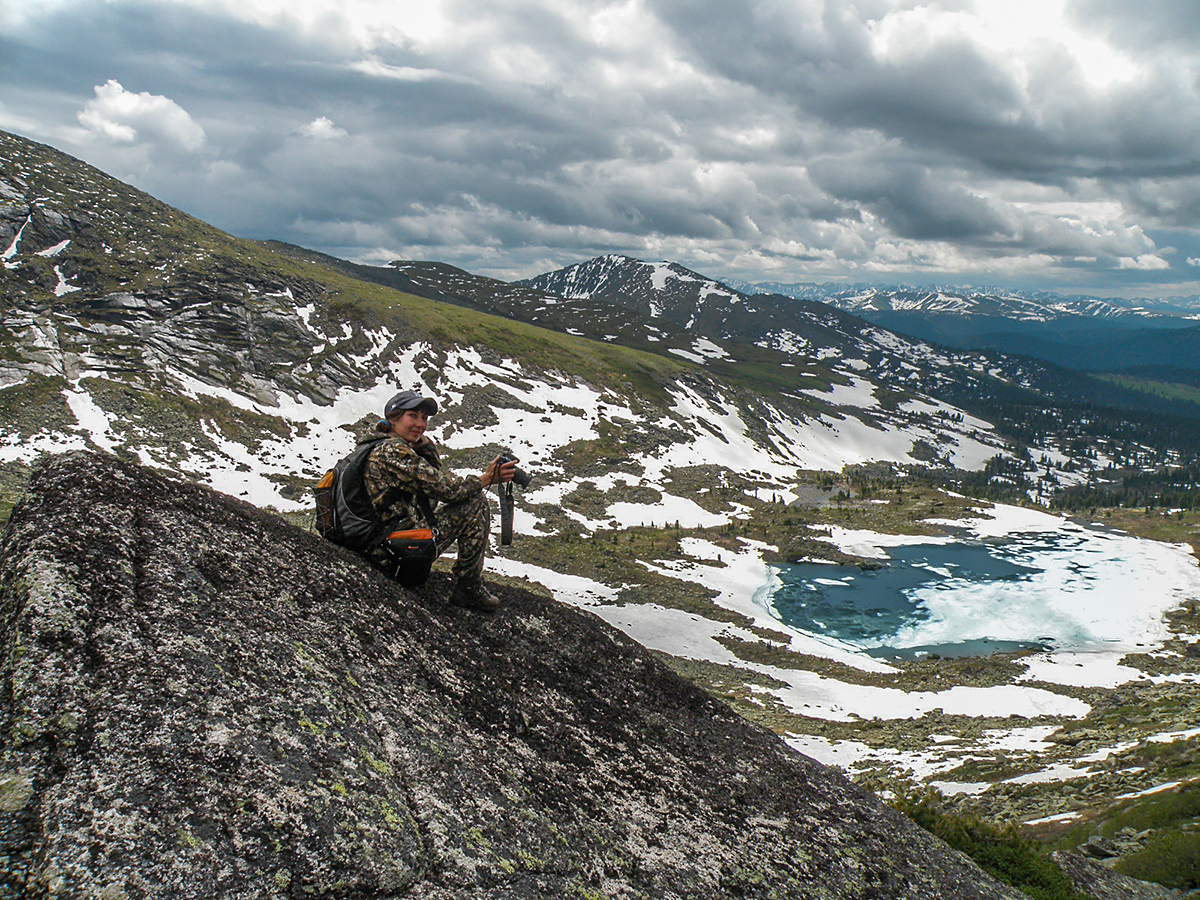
[{"x": 202, "y": 701}]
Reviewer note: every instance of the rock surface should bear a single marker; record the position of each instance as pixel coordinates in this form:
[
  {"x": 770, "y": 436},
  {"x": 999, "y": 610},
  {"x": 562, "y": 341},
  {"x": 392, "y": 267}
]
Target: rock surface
[
  {"x": 1101, "y": 883},
  {"x": 202, "y": 701}
]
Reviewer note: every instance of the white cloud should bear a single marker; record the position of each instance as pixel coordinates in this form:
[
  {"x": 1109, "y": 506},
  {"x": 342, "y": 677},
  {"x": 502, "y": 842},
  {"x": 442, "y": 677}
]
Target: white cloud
[
  {"x": 1193, "y": 261},
  {"x": 361, "y": 23},
  {"x": 14, "y": 14},
  {"x": 1145, "y": 262},
  {"x": 323, "y": 129},
  {"x": 376, "y": 69},
  {"x": 126, "y": 117}
]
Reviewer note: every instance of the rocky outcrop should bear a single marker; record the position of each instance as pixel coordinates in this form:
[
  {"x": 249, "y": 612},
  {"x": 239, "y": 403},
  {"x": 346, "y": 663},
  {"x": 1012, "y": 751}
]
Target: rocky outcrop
[
  {"x": 1096, "y": 880},
  {"x": 202, "y": 701}
]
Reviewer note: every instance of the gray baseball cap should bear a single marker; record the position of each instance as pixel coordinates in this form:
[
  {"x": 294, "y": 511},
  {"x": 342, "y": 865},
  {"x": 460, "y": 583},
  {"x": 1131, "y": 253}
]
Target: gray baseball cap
[{"x": 409, "y": 400}]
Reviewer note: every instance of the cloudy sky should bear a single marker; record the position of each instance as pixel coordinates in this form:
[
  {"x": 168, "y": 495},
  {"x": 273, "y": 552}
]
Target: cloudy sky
[{"x": 1025, "y": 143}]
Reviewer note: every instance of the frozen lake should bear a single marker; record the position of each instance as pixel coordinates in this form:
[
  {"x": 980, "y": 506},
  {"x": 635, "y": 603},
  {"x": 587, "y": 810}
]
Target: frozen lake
[{"x": 1035, "y": 581}]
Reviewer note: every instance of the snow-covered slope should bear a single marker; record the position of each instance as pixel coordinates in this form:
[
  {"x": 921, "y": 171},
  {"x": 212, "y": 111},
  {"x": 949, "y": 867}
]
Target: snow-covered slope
[{"x": 246, "y": 364}]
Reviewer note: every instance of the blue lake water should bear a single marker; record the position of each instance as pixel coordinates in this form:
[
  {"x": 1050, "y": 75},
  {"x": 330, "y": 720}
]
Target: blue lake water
[
  {"x": 867, "y": 607},
  {"x": 1073, "y": 588}
]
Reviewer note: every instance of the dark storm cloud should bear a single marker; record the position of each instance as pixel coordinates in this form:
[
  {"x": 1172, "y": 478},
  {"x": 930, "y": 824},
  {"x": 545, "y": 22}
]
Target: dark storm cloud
[
  {"x": 947, "y": 93},
  {"x": 911, "y": 201},
  {"x": 440, "y": 141},
  {"x": 975, "y": 114},
  {"x": 1140, "y": 26}
]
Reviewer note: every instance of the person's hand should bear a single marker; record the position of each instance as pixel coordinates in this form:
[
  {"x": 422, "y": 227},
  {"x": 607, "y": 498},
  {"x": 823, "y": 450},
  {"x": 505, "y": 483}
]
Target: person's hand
[{"x": 499, "y": 473}]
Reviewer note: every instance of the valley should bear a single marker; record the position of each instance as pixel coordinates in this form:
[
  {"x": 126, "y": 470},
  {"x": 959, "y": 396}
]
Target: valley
[{"x": 1066, "y": 742}]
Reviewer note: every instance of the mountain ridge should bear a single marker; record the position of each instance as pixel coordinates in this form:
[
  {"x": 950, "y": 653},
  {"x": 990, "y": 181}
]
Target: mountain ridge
[
  {"x": 1084, "y": 333},
  {"x": 962, "y": 297}
]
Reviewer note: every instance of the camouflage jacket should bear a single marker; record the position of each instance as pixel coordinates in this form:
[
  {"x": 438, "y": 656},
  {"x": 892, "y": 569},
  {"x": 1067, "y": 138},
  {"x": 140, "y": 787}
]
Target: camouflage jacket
[{"x": 397, "y": 472}]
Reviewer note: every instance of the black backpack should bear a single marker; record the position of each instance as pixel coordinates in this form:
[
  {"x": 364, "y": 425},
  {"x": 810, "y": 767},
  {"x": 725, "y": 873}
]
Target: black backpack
[{"x": 345, "y": 514}]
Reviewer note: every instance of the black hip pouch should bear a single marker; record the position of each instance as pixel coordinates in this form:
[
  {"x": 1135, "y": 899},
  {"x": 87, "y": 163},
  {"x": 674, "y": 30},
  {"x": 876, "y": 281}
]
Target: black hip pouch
[{"x": 413, "y": 551}]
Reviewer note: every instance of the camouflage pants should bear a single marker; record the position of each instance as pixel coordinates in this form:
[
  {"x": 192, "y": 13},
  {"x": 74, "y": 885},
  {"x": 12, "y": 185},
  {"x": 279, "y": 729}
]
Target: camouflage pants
[{"x": 467, "y": 523}]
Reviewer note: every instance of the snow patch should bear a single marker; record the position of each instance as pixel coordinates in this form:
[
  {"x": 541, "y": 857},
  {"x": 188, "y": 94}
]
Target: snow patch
[
  {"x": 63, "y": 287},
  {"x": 91, "y": 418},
  {"x": 56, "y": 249}
]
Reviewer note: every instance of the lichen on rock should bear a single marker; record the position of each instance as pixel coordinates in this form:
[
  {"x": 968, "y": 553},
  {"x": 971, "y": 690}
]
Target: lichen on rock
[{"x": 202, "y": 701}]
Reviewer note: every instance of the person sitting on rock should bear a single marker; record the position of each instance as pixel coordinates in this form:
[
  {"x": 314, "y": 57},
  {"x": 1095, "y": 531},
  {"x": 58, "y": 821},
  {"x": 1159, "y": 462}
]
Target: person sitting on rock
[{"x": 404, "y": 473}]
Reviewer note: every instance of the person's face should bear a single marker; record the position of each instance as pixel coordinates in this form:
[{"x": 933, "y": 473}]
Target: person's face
[{"x": 410, "y": 425}]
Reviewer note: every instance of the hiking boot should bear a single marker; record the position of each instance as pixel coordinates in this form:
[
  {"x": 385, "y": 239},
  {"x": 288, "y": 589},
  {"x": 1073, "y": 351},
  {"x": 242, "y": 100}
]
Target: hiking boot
[{"x": 474, "y": 596}]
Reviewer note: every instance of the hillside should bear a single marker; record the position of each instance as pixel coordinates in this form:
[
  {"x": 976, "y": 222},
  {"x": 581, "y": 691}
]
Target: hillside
[
  {"x": 686, "y": 448},
  {"x": 135, "y": 328},
  {"x": 1122, "y": 439},
  {"x": 248, "y": 712},
  {"x": 125, "y": 322},
  {"x": 1030, "y": 344}
]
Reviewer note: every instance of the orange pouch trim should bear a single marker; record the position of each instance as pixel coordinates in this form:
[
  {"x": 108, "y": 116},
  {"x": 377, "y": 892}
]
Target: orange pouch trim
[{"x": 412, "y": 534}]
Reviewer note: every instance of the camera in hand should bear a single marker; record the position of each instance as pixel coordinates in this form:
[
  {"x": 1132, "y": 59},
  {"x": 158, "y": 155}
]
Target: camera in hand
[{"x": 520, "y": 476}]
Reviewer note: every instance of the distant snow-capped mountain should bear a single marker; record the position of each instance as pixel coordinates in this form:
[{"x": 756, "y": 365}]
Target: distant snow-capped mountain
[
  {"x": 976, "y": 303},
  {"x": 1161, "y": 340},
  {"x": 1038, "y": 306},
  {"x": 667, "y": 291}
]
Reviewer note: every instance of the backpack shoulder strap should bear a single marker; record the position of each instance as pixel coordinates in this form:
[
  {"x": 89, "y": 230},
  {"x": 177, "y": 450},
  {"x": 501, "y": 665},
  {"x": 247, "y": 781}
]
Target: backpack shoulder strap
[
  {"x": 427, "y": 511},
  {"x": 363, "y": 454}
]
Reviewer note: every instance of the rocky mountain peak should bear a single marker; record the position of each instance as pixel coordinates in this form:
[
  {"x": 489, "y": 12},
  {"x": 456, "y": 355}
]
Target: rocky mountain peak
[
  {"x": 665, "y": 291},
  {"x": 202, "y": 701}
]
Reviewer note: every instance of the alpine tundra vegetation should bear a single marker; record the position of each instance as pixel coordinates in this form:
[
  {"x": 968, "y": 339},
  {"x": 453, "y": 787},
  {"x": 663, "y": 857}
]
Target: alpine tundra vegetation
[{"x": 694, "y": 447}]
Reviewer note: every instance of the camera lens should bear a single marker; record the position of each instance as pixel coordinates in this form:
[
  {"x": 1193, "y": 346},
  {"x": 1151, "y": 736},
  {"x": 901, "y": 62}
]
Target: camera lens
[{"x": 520, "y": 477}]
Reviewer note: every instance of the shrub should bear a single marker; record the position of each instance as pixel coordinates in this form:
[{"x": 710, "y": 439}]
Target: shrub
[
  {"x": 999, "y": 850},
  {"x": 1172, "y": 859}
]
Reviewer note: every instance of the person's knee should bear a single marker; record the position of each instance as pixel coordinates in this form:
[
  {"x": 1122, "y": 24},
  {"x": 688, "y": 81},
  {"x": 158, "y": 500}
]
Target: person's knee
[
  {"x": 482, "y": 513},
  {"x": 472, "y": 515},
  {"x": 476, "y": 508}
]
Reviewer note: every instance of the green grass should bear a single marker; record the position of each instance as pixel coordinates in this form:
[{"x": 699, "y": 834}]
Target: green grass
[
  {"x": 628, "y": 372},
  {"x": 1177, "y": 527},
  {"x": 1169, "y": 822},
  {"x": 1171, "y": 858},
  {"x": 1169, "y": 809},
  {"x": 1184, "y": 393},
  {"x": 27, "y": 408}
]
